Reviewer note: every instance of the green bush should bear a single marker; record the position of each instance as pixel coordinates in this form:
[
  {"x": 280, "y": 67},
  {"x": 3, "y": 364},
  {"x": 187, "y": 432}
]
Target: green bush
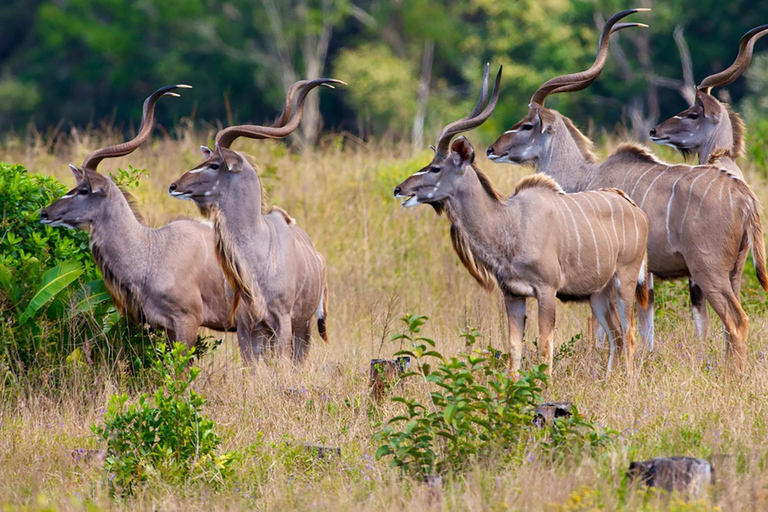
[
  {"x": 476, "y": 409},
  {"x": 41, "y": 270},
  {"x": 165, "y": 437}
]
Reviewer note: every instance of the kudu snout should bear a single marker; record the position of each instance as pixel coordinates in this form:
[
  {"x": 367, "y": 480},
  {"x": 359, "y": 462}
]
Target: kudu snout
[{"x": 397, "y": 191}]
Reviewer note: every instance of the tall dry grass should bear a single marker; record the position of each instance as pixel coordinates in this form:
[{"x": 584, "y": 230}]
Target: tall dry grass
[{"x": 385, "y": 261}]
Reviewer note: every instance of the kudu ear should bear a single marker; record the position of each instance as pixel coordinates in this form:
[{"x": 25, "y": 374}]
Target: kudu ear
[
  {"x": 546, "y": 121},
  {"x": 233, "y": 160},
  {"x": 77, "y": 173},
  {"x": 710, "y": 105},
  {"x": 462, "y": 152},
  {"x": 206, "y": 151}
]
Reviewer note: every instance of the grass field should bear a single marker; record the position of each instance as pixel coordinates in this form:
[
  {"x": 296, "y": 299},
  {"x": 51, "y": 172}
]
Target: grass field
[{"x": 385, "y": 261}]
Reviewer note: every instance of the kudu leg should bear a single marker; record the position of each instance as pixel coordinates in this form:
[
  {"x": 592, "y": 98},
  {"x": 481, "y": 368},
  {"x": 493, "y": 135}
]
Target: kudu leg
[
  {"x": 603, "y": 305},
  {"x": 301, "y": 339},
  {"x": 252, "y": 341},
  {"x": 735, "y": 321},
  {"x": 516, "y": 319},
  {"x": 645, "y": 317},
  {"x": 699, "y": 310},
  {"x": 625, "y": 298},
  {"x": 284, "y": 338},
  {"x": 547, "y": 303}
]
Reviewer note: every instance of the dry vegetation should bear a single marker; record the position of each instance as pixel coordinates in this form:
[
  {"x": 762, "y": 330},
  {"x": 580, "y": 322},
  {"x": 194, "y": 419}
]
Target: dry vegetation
[{"x": 385, "y": 261}]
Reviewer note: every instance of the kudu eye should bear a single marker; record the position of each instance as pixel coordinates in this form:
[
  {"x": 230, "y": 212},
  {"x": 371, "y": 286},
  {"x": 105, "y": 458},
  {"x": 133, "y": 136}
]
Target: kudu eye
[
  {"x": 693, "y": 116},
  {"x": 527, "y": 127},
  {"x": 434, "y": 169},
  {"x": 83, "y": 191},
  {"x": 215, "y": 167}
]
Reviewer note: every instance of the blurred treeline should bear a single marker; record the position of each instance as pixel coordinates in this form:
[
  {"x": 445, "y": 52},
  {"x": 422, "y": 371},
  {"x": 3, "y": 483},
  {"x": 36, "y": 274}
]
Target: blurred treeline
[{"x": 76, "y": 63}]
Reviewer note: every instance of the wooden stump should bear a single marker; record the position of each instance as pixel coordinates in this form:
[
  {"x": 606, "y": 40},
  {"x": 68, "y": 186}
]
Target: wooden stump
[
  {"x": 385, "y": 372},
  {"x": 324, "y": 452},
  {"x": 547, "y": 413},
  {"x": 687, "y": 475}
]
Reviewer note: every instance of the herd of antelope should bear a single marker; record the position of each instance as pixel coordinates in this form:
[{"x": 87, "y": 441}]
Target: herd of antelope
[{"x": 576, "y": 230}]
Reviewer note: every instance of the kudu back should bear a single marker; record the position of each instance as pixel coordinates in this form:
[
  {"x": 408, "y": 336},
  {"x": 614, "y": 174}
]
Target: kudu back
[
  {"x": 278, "y": 278},
  {"x": 540, "y": 242},
  {"x": 703, "y": 219},
  {"x": 168, "y": 277}
]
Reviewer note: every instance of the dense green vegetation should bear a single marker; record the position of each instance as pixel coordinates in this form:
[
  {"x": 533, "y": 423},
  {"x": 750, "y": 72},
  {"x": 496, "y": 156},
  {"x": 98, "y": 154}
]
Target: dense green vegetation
[{"x": 92, "y": 61}]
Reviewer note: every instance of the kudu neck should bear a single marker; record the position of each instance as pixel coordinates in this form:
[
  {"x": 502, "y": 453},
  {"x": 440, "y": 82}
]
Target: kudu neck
[
  {"x": 241, "y": 203},
  {"x": 119, "y": 241},
  {"x": 472, "y": 208},
  {"x": 720, "y": 139},
  {"x": 565, "y": 161}
]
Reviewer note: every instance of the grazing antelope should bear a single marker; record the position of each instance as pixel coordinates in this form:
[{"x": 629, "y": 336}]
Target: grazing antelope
[
  {"x": 540, "y": 242},
  {"x": 709, "y": 128},
  {"x": 271, "y": 263},
  {"x": 166, "y": 277},
  {"x": 703, "y": 219}
]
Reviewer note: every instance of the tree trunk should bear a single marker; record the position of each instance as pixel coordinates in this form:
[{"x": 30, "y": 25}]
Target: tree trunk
[{"x": 417, "y": 135}]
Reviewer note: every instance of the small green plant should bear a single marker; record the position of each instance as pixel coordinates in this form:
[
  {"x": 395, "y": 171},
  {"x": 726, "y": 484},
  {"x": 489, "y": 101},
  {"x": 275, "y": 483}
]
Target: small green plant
[
  {"x": 475, "y": 409},
  {"x": 129, "y": 178},
  {"x": 166, "y": 436}
]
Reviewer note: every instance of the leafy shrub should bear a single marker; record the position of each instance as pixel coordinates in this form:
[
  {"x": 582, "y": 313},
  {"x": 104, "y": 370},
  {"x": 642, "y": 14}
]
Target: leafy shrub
[
  {"x": 475, "y": 410},
  {"x": 166, "y": 436},
  {"x": 40, "y": 269}
]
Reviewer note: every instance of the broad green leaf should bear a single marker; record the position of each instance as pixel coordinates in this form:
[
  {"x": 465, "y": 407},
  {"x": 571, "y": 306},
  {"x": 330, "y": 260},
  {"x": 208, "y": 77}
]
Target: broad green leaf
[
  {"x": 53, "y": 282},
  {"x": 92, "y": 293},
  {"x": 5, "y": 278}
]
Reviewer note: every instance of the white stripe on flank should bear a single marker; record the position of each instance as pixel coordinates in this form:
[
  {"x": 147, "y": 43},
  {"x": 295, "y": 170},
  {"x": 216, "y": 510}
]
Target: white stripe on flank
[
  {"x": 690, "y": 191},
  {"x": 575, "y": 229},
  {"x": 639, "y": 180},
  {"x": 669, "y": 207},
  {"x": 563, "y": 221},
  {"x": 651, "y": 186},
  {"x": 637, "y": 233},
  {"x": 598, "y": 218},
  {"x": 592, "y": 230},
  {"x": 701, "y": 201},
  {"x": 613, "y": 221},
  {"x": 730, "y": 197},
  {"x": 626, "y": 175}
]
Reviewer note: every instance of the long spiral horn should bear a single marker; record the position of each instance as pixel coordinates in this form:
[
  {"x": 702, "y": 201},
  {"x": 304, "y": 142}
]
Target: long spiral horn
[
  {"x": 471, "y": 121},
  {"x": 227, "y": 136},
  {"x": 581, "y": 80},
  {"x": 743, "y": 59},
  {"x": 91, "y": 162}
]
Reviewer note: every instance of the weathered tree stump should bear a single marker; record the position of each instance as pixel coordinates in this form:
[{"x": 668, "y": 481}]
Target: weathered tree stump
[
  {"x": 434, "y": 484},
  {"x": 547, "y": 412},
  {"x": 324, "y": 452},
  {"x": 385, "y": 372},
  {"x": 687, "y": 475}
]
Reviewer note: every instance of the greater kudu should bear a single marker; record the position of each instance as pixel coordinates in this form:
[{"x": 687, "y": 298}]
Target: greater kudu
[
  {"x": 166, "y": 277},
  {"x": 703, "y": 219},
  {"x": 271, "y": 263},
  {"x": 540, "y": 242},
  {"x": 709, "y": 128}
]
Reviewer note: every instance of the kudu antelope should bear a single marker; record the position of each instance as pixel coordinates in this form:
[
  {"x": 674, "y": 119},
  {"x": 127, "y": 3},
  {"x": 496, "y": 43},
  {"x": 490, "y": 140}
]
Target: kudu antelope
[
  {"x": 166, "y": 277},
  {"x": 709, "y": 128},
  {"x": 540, "y": 242},
  {"x": 278, "y": 278},
  {"x": 703, "y": 219}
]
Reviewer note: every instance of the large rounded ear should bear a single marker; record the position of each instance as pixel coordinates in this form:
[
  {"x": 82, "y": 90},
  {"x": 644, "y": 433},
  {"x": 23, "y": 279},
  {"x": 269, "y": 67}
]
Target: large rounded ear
[
  {"x": 206, "y": 151},
  {"x": 77, "y": 173},
  {"x": 710, "y": 104},
  {"x": 233, "y": 159},
  {"x": 462, "y": 152},
  {"x": 547, "y": 121}
]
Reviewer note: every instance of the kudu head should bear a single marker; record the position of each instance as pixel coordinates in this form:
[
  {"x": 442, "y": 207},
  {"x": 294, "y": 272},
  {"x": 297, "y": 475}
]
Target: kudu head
[
  {"x": 89, "y": 200},
  {"x": 533, "y": 136},
  {"x": 447, "y": 171},
  {"x": 224, "y": 169},
  {"x": 698, "y": 125}
]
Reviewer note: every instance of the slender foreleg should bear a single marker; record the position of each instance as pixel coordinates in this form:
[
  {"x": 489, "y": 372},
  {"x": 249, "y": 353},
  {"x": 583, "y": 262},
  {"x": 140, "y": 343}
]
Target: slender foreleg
[
  {"x": 516, "y": 319},
  {"x": 546, "y": 300},
  {"x": 645, "y": 317}
]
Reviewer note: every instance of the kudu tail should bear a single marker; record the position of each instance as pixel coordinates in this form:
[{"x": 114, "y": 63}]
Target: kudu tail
[
  {"x": 322, "y": 309},
  {"x": 641, "y": 290},
  {"x": 757, "y": 241}
]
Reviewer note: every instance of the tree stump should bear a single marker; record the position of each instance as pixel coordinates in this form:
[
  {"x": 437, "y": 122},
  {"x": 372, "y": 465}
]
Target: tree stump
[
  {"x": 547, "y": 412},
  {"x": 385, "y": 372},
  {"x": 324, "y": 452},
  {"x": 687, "y": 475}
]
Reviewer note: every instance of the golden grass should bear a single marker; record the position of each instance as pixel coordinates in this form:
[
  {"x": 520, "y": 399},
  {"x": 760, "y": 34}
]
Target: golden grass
[{"x": 385, "y": 261}]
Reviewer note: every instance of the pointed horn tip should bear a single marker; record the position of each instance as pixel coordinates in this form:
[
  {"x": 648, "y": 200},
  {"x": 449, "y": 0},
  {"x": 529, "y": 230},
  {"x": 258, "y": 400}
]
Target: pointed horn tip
[
  {"x": 173, "y": 94},
  {"x": 642, "y": 9},
  {"x": 183, "y": 86},
  {"x": 73, "y": 167}
]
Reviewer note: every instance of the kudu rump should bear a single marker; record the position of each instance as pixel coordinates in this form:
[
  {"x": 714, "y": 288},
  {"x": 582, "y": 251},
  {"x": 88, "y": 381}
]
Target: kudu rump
[
  {"x": 278, "y": 278},
  {"x": 540, "y": 242},
  {"x": 703, "y": 219},
  {"x": 166, "y": 277},
  {"x": 709, "y": 128}
]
